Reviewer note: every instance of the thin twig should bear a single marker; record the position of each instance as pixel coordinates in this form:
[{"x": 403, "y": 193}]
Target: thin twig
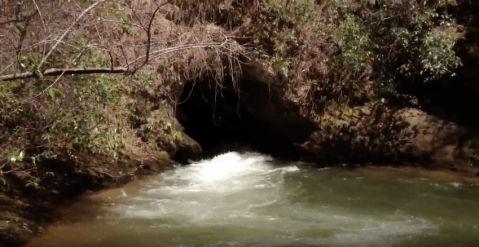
[
  {"x": 66, "y": 32},
  {"x": 23, "y": 34},
  {"x": 124, "y": 55},
  {"x": 11, "y": 21},
  {"x": 165, "y": 51},
  {"x": 41, "y": 16},
  {"x": 115, "y": 70},
  {"x": 7, "y": 67},
  {"x": 60, "y": 76},
  {"x": 148, "y": 42},
  {"x": 176, "y": 48}
]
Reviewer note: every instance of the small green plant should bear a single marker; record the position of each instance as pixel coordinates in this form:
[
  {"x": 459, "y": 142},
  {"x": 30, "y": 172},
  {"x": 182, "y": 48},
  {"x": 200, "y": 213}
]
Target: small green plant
[
  {"x": 102, "y": 88},
  {"x": 32, "y": 184},
  {"x": 281, "y": 65},
  {"x": 167, "y": 128},
  {"x": 16, "y": 155},
  {"x": 178, "y": 135},
  {"x": 294, "y": 11},
  {"x": 119, "y": 13},
  {"x": 54, "y": 92},
  {"x": 355, "y": 44},
  {"x": 144, "y": 131},
  {"x": 6, "y": 89},
  {"x": 30, "y": 61}
]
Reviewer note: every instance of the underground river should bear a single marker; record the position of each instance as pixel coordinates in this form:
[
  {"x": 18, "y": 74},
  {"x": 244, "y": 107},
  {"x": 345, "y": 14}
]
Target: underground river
[{"x": 250, "y": 199}]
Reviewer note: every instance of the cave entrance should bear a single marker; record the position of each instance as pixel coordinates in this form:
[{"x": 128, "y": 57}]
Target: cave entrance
[{"x": 252, "y": 117}]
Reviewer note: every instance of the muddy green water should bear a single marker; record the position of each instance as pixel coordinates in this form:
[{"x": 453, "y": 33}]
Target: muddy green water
[{"x": 249, "y": 200}]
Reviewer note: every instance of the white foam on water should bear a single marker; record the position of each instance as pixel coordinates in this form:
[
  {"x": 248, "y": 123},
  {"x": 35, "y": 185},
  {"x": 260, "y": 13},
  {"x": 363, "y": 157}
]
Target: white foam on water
[
  {"x": 456, "y": 184},
  {"x": 247, "y": 199},
  {"x": 246, "y": 192},
  {"x": 229, "y": 182}
]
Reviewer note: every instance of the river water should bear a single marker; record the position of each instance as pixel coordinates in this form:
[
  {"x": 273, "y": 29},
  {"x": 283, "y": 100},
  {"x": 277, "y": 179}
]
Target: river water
[{"x": 251, "y": 200}]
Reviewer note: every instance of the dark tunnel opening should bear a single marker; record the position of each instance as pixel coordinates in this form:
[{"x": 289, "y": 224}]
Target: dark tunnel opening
[{"x": 255, "y": 118}]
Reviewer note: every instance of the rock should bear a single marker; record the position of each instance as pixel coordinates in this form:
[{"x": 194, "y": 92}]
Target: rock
[
  {"x": 384, "y": 135},
  {"x": 186, "y": 149}
]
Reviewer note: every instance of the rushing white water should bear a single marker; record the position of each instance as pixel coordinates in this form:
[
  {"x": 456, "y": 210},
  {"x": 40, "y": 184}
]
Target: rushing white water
[{"x": 247, "y": 200}]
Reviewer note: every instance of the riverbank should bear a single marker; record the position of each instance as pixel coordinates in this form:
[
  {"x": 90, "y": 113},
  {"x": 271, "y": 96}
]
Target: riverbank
[
  {"x": 135, "y": 84},
  {"x": 251, "y": 199},
  {"x": 25, "y": 210}
]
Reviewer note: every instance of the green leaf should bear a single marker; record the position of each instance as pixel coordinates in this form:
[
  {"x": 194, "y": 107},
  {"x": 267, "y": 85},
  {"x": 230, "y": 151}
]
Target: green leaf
[
  {"x": 51, "y": 92},
  {"x": 54, "y": 92},
  {"x": 38, "y": 73},
  {"x": 31, "y": 183}
]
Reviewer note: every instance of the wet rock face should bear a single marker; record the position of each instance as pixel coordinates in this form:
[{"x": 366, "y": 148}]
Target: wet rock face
[
  {"x": 256, "y": 117},
  {"x": 186, "y": 149}
]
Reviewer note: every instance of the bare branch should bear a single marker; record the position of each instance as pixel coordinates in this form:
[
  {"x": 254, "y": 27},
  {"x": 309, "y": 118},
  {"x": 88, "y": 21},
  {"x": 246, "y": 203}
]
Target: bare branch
[
  {"x": 67, "y": 31},
  {"x": 124, "y": 55},
  {"x": 112, "y": 60},
  {"x": 59, "y": 71},
  {"x": 11, "y": 21},
  {"x": 136, "y": 16},
  {"x": 116, "y": 70},
  {"x": 41, "y": 16},
  {"x": 148, "y": 44},
  {"x": 23, "y": 32},
  {"x": 7, "y": 67}
]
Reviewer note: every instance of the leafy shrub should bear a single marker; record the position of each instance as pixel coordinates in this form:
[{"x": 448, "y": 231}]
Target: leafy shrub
[{"x": 404, "y": 38}]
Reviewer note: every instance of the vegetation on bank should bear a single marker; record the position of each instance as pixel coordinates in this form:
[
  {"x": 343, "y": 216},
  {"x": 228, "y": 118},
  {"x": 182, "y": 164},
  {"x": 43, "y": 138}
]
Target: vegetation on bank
[
  {"x": 88, "y": 96},
  {"x": 327, "y": 52},
  {"x": 350, "y": 65},
  {"x": 46, "y": 118},
  {"x": 107, "y": 85},
  {"x": 127, "y": 110},
  {"x": 349, "y": 51}
]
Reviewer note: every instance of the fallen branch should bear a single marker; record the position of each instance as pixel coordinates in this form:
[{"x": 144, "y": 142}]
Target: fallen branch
[
  {"x": 116, "y": 70},
  {"x": 59, "y": 71}
]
